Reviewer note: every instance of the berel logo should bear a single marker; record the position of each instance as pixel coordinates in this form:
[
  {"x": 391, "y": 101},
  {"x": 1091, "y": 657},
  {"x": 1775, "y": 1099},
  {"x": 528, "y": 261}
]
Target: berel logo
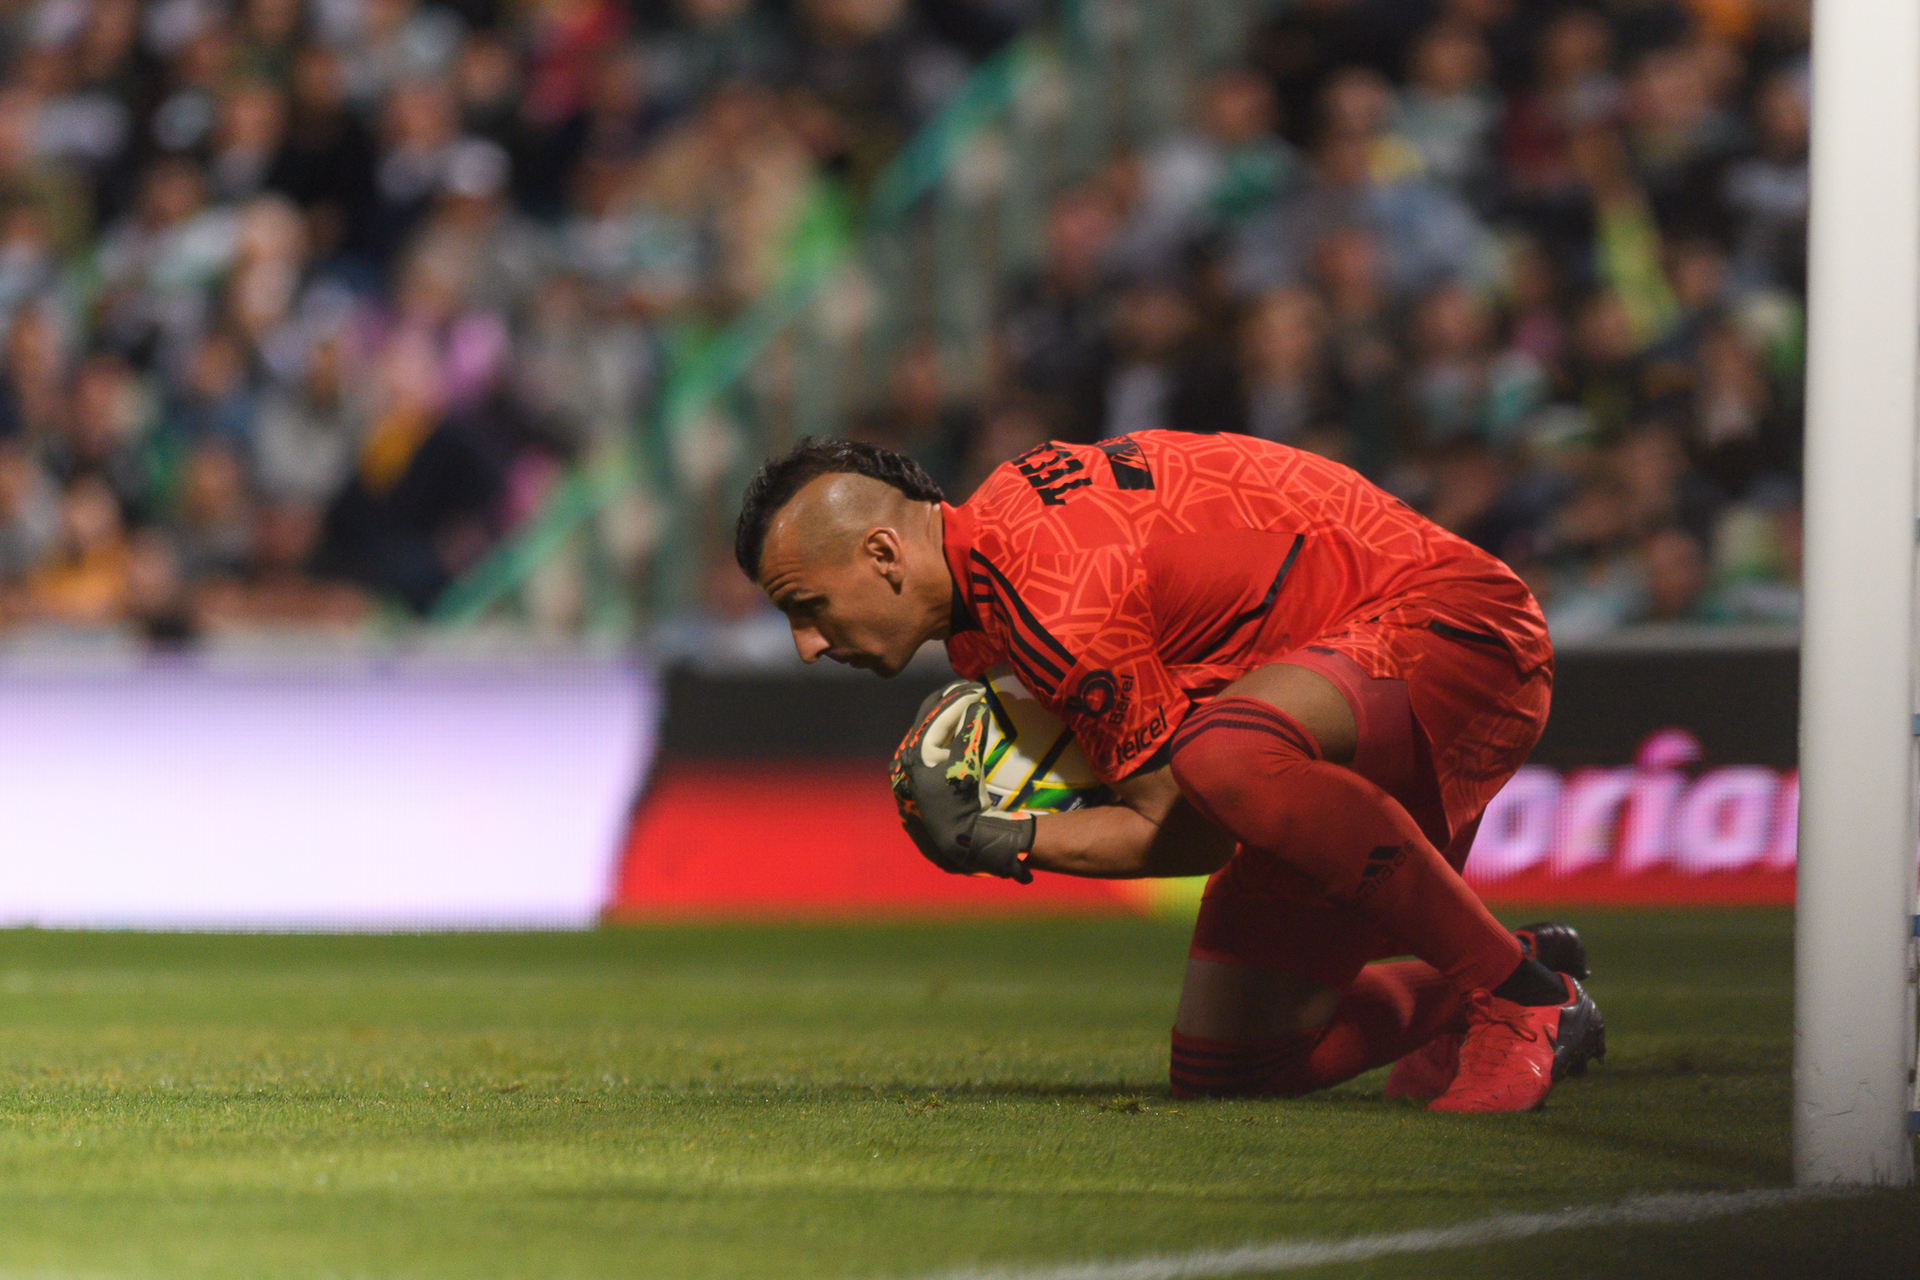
[{"x": 1099, "y": 695}]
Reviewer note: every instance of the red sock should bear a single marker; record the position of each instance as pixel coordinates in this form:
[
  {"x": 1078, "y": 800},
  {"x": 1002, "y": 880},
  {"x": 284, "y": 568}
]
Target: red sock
[
  {"x": 1388, "y": 1012},
  {"x": 1203, "y": 1068},
  {"x": 1253, "y": 770}
]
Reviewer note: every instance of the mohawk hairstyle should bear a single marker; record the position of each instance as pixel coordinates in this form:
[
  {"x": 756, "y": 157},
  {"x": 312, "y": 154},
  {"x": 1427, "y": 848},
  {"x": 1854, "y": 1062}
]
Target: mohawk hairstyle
[{"x": 780, "y": 478}]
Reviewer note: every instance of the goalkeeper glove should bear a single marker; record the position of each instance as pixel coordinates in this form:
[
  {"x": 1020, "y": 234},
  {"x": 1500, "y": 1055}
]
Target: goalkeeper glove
[{"x": 936, "y": 785}]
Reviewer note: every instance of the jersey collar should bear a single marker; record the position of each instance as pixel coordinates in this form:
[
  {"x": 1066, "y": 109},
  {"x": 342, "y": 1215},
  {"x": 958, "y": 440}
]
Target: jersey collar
[{"x": 957, "y": 526}]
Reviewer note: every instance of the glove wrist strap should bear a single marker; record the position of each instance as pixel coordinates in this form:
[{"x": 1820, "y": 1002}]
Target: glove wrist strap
[{"x": 1015, "y": 835}]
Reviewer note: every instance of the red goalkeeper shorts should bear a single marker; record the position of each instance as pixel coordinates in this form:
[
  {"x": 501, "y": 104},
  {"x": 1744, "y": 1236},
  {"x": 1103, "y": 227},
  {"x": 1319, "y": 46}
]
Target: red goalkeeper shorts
[{"x": 1444, "y": 718}]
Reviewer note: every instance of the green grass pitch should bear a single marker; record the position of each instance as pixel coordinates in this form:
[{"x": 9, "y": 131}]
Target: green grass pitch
[{"x": 874, "y": 1101}]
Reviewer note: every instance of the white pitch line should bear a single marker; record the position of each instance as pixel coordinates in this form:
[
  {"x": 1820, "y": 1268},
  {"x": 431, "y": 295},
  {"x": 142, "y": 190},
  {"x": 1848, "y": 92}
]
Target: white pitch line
[{"x": 1291, "y": 1255}]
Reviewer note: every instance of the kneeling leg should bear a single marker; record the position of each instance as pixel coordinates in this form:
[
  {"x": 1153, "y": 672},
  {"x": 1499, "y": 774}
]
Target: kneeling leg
[{"x": 1276, "y": 1001}]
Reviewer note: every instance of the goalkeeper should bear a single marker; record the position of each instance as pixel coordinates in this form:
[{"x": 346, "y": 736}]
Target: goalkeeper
[{"x": 1288, "y": 678}]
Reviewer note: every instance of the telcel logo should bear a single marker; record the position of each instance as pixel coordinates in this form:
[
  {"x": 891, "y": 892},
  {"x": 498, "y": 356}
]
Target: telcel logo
[{"x": 1653, "y": 814}]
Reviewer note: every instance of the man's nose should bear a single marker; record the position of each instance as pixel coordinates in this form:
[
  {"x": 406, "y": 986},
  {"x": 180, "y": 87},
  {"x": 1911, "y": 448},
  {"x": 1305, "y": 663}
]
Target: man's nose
[{"x": 810, "y": 643}]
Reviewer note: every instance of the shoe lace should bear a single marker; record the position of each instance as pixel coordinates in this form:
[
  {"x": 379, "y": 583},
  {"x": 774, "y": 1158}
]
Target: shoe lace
[{"x": 1482, "y": 1007}]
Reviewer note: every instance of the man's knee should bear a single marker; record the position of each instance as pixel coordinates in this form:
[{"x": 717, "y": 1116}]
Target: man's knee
[
  {"x": 1247, "y": 991},
  {"x": 1277, "y": 1068},
  {"x": 1202, "y": 1068}
]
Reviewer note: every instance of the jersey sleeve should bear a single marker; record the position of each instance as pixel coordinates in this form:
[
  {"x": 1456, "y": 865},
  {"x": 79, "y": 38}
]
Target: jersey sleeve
[{"x": 1082, "y": 639}]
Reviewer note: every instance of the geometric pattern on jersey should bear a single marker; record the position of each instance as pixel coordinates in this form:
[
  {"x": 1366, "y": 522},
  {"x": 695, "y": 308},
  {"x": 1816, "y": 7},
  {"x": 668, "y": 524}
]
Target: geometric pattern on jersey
[{"x": 1124, "y": 580}]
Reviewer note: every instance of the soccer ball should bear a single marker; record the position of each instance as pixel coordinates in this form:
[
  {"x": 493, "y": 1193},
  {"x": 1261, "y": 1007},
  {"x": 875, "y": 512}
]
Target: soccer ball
[{"x": 1032, "y": 763}]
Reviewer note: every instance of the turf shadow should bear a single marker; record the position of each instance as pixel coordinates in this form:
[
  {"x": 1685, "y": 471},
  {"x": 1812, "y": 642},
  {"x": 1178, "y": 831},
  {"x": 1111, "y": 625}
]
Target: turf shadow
[
  {"x": 1667, "y": 1143},
  {"x": 1104, "y": 1091}
]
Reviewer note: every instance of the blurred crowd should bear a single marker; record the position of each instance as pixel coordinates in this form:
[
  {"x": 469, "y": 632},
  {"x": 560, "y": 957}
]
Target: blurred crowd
[
  {"x": 304, "y": 303},
  {"x": 1536, "y": 268}
]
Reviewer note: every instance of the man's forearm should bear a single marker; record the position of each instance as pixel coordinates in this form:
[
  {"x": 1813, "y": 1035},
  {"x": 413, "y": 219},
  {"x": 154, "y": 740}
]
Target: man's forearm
[
  {"x": 1110, "y": 842},
  {"x": 1114, "y": 842}
]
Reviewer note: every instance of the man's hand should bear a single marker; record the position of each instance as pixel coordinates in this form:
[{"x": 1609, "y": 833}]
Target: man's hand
[{"x": 936, "y": 784}]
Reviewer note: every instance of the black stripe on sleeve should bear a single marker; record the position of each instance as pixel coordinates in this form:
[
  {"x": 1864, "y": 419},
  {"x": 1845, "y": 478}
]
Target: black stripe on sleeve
[
  {"x": 1037, "y": 632},
  {"x": 1038, "y": 671},
  {"x": 1273, "y": 591},
  {"x": 1465, "y": 636},
  {"x": 1033, "y": 664}
]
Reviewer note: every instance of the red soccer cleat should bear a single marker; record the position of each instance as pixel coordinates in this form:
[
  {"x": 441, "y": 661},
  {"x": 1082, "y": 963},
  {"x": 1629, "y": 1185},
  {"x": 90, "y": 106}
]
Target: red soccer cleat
[
  {"x": 1508, "y": 1058},
  {"x": 1427, "y": 1071}
]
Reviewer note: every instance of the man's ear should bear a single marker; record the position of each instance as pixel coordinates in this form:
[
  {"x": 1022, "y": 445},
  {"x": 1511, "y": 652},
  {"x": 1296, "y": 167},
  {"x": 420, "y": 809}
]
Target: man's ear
[{"x": 887, "y": 554}]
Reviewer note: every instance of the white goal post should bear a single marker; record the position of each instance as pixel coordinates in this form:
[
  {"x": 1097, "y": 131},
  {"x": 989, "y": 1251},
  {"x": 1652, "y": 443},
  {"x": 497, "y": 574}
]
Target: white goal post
[{"x": 1853, "y": 995}]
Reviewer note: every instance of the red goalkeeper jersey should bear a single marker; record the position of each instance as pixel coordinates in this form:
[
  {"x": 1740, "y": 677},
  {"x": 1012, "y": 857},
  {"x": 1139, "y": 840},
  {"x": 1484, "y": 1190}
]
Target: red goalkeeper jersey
[{"x": 1126, "y": 580}]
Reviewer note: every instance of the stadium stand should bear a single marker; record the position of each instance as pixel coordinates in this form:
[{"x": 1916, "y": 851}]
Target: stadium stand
[{"x": 346, "y": 315}]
